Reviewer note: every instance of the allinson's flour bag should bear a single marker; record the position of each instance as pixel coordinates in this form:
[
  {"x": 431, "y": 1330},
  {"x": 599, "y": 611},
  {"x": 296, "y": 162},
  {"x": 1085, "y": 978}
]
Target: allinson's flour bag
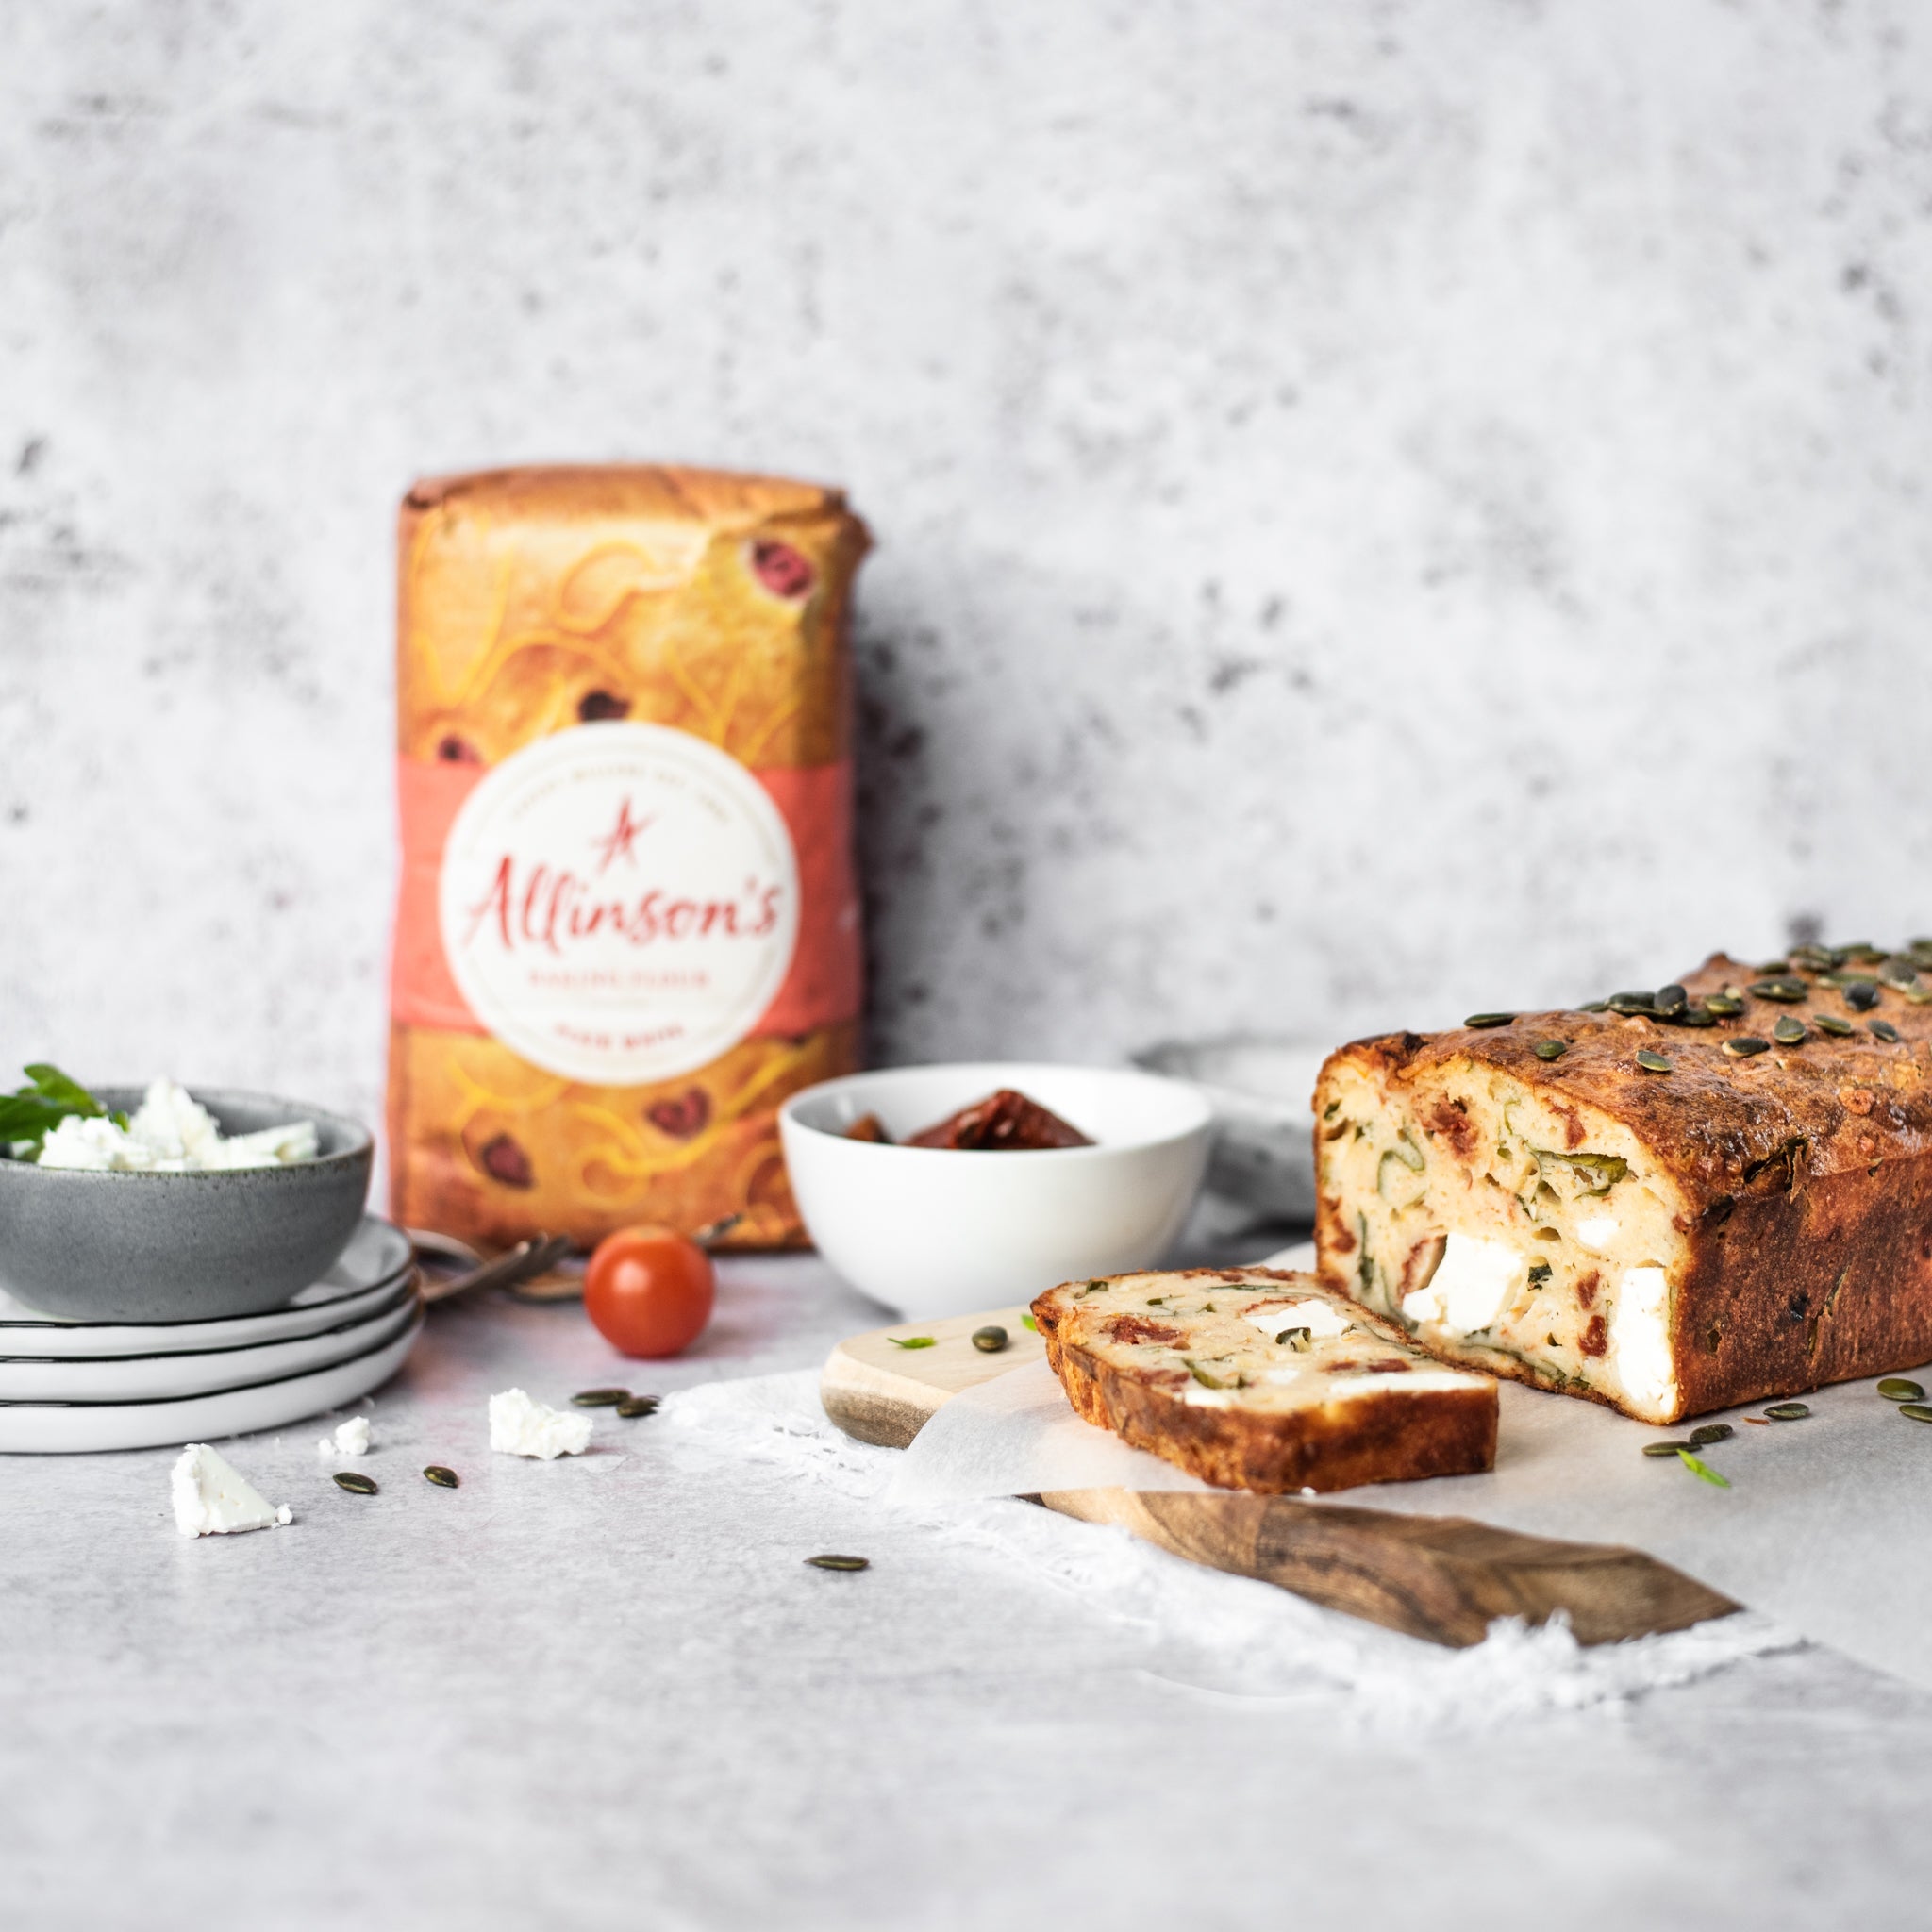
[{"x": 628, "y": 925}]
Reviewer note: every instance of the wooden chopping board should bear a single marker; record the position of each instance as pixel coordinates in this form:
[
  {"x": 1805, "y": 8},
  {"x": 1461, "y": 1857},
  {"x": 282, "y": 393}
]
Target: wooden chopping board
[{"x": 1442, "y": 1578}]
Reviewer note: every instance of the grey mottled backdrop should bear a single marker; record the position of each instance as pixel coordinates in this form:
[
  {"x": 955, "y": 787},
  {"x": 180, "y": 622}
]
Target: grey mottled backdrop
[{"x": 1381, "y": 507}]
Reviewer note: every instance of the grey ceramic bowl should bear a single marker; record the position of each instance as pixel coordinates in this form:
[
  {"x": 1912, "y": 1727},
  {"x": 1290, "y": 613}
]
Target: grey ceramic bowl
[
  {"x": 184, "y": 1247},
  {"x": 1259, "y": 1086}
]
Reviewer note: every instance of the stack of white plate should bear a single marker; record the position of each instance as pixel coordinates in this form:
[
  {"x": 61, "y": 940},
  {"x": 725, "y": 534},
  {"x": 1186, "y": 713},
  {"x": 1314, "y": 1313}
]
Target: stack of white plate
[{"x": 67, "y": 1386}]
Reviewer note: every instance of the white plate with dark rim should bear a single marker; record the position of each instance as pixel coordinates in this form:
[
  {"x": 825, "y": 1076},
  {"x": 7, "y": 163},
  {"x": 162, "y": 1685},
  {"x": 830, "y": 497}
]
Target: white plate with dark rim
[
  {"x": 170, "y": 1377},
  {"x": 368, "y": 1275},
  {"x": 49, "y": 1429}
]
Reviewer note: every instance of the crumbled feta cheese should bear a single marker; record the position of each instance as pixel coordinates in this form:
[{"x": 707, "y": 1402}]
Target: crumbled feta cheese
[
  {"x": 172, "y": 1133},
  {"x": 1596, "y": 1232},
  {"x": 1467, "y": 1292},
  {"x": 519, "y": 1426},
  {"x": 1640, "y": 1340},
  {"x": 1320, "y": 1319},
  {"x": 350, "y": 1439},
  {"x": 213, "y": 1498}
]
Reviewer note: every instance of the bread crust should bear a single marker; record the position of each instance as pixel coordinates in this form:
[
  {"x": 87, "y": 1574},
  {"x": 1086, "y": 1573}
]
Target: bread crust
[
  {"x": 1804, "y": 1177},
  {"x": 1390, "y": 1436}
]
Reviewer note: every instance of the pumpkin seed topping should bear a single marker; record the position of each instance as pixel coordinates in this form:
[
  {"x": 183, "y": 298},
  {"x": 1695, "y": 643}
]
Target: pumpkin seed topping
[
  {"x": 1787, "y": 1032},
  {"x": 1863, "y": 951},
  {"x": 1551, "y": 1049},
  {"x": 1670, "y": 999},
  {"x": 1595, "y": 1006},
  {"x": 1789, "y": 991},
  {"x": 443, "y": 1478},
  {"x": 1830, "y": 1022},
  {"x": 355, "y": 1482},
  {"x": 1694, "y": 1016},
  {"x": 839, "y": 1562},
  {"x": 1651, "y": 1062},
  {"x": 1664, "y": 1448},
  {"x": 1883, "y": 1029},
  {"x": 632, "y": 1407},
  {"x": 1788, "y": 1411},
  {"x": 989, "y": 1340},
  {"x": 1490, "y": 1020},
  {"x": 1862, "y": 996},
  {"x": 1726, "y": 1006},
  {"x": 1744, "y": 1045},
  {"x": 1898, "y": 1389},
  {"x": 1898, "y": 971},
  {"x": 1919, "y": 1411},
  {"x": 598, "y": 1398},
  {"x": 1706, "y": 1433},
  {"x": 1627, "y": 1003}
]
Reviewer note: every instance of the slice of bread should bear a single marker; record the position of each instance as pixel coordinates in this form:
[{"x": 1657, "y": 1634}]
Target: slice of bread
[{"x": 1256, "y": 1379}]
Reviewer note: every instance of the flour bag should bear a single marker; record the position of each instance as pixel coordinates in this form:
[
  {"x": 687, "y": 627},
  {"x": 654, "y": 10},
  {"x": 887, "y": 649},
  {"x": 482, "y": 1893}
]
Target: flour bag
[{"x": 627, "y": 924}]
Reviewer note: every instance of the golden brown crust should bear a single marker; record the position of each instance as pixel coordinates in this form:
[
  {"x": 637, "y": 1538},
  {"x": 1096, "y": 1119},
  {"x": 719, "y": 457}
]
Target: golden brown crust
[
  {"x": 1392, "y": 1436},
  {"x": 1805, "y": 1171}
]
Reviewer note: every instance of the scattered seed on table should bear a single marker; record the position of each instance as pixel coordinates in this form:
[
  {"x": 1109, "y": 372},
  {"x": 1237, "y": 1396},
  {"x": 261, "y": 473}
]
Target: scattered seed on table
[
  {"x": 1788, "y": 1411},
  {"x": 839, "y": 1562},
  {"x": 1664, "y": 1448},
  {"x": 989, "y": 1340},
  {"x": 599, "y": 1398},
  {"x": 1711, "y": 1432},
  {"x": 443, "y": 1478},
  {"x": 1896, "y": 1389},
  {"x": 355, "y": 1482},
  {"x": 634, "y": 1405},
  {"x": 1919, "y": 1411}
]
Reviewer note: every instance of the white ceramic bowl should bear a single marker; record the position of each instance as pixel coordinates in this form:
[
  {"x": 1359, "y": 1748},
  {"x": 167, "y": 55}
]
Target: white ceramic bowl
[{"x": 937, "y": 1231}]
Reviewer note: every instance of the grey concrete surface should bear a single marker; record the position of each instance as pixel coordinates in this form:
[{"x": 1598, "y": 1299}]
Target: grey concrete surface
[
  {"x": 1382, "y": 510},
  {"x": 607, "y": 1693}
]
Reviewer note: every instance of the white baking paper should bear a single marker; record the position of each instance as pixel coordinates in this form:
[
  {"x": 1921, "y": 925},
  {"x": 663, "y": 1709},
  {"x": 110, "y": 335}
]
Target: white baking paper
[{"x": 1827, "y": 1527}]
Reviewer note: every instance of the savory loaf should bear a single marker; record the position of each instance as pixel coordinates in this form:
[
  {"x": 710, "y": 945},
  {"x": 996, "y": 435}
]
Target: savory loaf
[
  {"x": 1670, "y": 1202},
  {"x": 1255, "y": 1379}
]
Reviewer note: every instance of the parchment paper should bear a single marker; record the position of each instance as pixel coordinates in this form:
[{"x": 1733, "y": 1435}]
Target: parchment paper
[{"x": 1828, "y": 1524}]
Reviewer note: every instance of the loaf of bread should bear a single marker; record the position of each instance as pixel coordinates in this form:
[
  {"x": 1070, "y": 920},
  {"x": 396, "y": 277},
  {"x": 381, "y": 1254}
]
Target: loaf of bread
[
  {"x": 1670, "y": 1202},
  {"x": 1255, "y": 1379},
  {"x": 628, "y": 925}
]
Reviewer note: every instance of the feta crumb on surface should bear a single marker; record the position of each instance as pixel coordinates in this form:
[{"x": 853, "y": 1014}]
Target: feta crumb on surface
[
  {"x": 350, "y": 1439},
  {"x": 213, "y": 1498},
  {"x": 172, "y": 1133},
  {"x": 519, "y": 1426}
]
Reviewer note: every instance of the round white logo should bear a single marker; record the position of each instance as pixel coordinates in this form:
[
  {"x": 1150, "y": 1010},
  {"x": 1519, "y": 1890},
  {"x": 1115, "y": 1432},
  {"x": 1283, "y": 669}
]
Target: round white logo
[{"x": 619, "y": 903}]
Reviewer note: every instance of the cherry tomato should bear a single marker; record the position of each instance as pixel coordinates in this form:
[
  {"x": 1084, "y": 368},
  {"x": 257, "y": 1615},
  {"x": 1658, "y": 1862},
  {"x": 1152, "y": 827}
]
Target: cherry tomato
[{"x": 648, "y": 1291}]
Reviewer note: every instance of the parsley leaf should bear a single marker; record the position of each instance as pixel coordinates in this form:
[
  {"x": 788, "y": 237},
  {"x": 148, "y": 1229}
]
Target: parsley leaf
[{"x": 1702, "y": 1470}]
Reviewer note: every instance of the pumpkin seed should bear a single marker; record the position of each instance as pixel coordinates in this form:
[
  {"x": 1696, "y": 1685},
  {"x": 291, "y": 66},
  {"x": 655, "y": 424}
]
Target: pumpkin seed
[
  {"x": 443, "y": 1478},
  {"x": 1300, "y": 1339},
  {"x": 1694, "y": 1016},
  {"x": 1788, "y": 1411},
  {"x": 632, "y": 1407},
  {"x": 1706, "y": 1433},
  {"x": 1632, "y": 1003},
  {"x": 989, "y": 1340},
  {"x": 1663, "y": 1448},
  {"x": 1651, "y": 1062},
  {"x": 1775, "y": 969},
  {"x": 1883, "y": 1029},
  {"x": 1726, "y": 1006},
  {"x": 355, "y": 1482},
  {"x": 1789, "y": 991},
  {"x": 1787, "y": 1032},
  {"x": 1595, "y": 1006},
  {"x": 1830, "y": 1022},
  {"x": 839, "y": 1562},
  {"x": 1551, "y": 1049},
  {"x": 1744, "y": 1045},
  {"x": 1863, "y": 951},
  {"x": 1862, "y": 996},
  {"x": 1919, "y": 1411},
  {"x": 598, "y": 1398},
  {"x": 1814, "y": 958},
  {"x": 1670, "y": 999},
  {"x": 1899, "y": 972},
  {"x": 1490, "y": 1020},
  {"x": 1897, "y": 1388}
]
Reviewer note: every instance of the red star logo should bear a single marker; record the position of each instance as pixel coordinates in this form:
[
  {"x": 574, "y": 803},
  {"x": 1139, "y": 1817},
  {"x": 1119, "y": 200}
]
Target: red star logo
[{"x": 622, "y": 838}]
